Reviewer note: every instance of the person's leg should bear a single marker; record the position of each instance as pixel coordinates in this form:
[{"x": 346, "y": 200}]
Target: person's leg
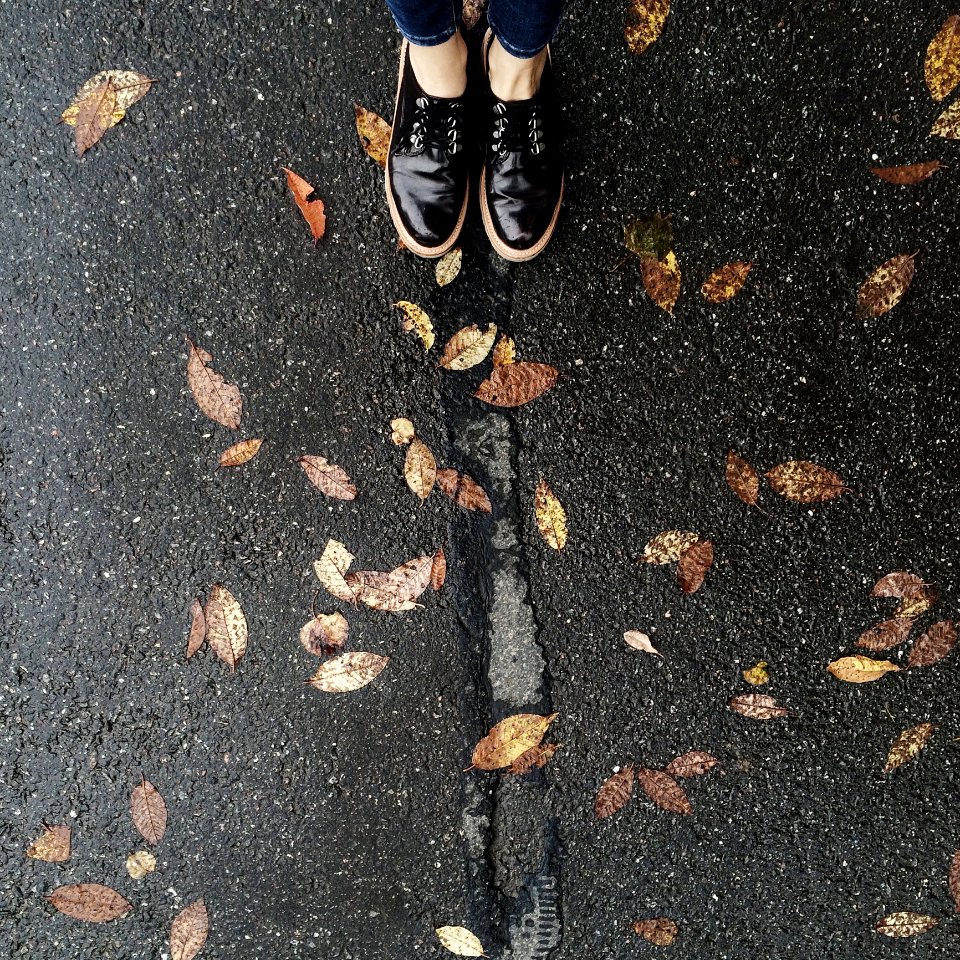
[
  {"x": 522, "y": 29},
  {"x": 438, "y": 52}
]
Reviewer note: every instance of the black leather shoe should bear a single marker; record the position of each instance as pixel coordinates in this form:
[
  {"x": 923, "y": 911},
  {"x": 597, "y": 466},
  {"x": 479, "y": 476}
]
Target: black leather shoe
[
  {"x": 521, "y": 186},
  {"x": 428, "y": 176}
]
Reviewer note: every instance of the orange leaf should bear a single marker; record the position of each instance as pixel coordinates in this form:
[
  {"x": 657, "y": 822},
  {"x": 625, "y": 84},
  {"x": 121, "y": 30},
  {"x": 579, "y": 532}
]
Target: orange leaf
[{"x": 312, "y": 210}]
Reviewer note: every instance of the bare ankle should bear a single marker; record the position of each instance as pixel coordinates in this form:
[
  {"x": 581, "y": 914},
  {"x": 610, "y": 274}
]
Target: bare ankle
[
  {"x": 513, "y": 78},
  {"x": 441, "y": 70}
]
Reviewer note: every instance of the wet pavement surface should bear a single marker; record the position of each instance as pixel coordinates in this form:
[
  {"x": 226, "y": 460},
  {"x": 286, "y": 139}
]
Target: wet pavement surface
[{"x": 344, "y": 826}]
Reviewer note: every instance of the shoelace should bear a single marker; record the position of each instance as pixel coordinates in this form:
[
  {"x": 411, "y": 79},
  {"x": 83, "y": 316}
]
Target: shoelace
[
  {"x": 437, "y": 123},
  {"x": 517, "y": 127}
]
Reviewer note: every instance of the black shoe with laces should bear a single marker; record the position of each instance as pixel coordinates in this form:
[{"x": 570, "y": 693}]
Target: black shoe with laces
[
  {"x": 521, "y": 185},
  {"x": 427, "y": 174}
]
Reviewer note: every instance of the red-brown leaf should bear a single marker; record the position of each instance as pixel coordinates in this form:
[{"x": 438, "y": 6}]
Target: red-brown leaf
[
  {"x": 934, "y": 645},
  {"x": 217, "y": 399},
  {"x": 89, "y": 901},
  {"x": 693, "y": 763},
  {"x": 438, "y": 571},
  {"x": 954, "y": 880},
  {"x": 660, "y": 931},
  {"x": 312, "y": 210},
  {"x": 898, "y": 584},
  {"x": 742, "y": 479},
  {"x": 198, "y": 629},
  {"x": 148, "y": 810},
  {"x": 886, "y": 635},
  {"x": 663, "y": 790},
  {"x": 614, "y": 793},
  {"x": 515, "y": 384},
  {"x": 693, "y": 565},
  {"x": 463, "y": 490},
  {"x": 188, "y": 932},
  {"x": 909, "y": 174},
  {"x": 757, "y": 706}
]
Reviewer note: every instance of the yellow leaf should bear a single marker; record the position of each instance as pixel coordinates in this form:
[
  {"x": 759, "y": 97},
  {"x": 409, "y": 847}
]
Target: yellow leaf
[
  {"x": 667, "y": 546},
  {"x": 551, "y": 517},
  {"x": 53, "y": 845},
  {"x": 645, "y": 20},
  {"x": 757, "y": 675},
  {"x": 725, "y": 282},
  {"x": 467, "y": 347},
  {"x": 420, "y": 468},
  {"x": 141, "y": 863},
  {"x": 661, "y": 280},
  {"x": 941, "y": 67},
  {"x": 460, "y": 941},
  {"x": 510, "y": 739},
  {"x": 885, "y": 287},
  {"x": 448, "y": 266},
  {"x": 948, "y": 123},
  {"x": 505, "y": 352},
  {"x": 374, "y": 133},
  {"x": 905, "y": 923},
  {"x": 415, "y": 320},
  {"x": 403, "y": 431},
  {"x": 860, "y": 669},
  {"x": 907, "y": 745}
]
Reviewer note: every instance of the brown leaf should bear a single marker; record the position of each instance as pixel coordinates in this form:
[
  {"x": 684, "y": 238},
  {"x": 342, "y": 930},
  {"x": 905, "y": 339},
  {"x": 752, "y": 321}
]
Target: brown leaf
[
  {"x": 198, "y": 629},
  {"x": 886, "y": 634},
  {"x": 663, "y": 790},
  {"x": 89, "y": 901},
  {"x": 907, "y": 745},
  {"x": 415, "y": 320},
  {"x": 514, "y": 384},
  {"x": 941, "y": 66},
  {"x": 660, "y": 931},
  {"x": 95, "y": 115},
  {"x": 334, "y": 562},
  {"x": 645, "y": 20},
  {"x": 149, "y": 811},
  {"x": 510, "y": 739},
  {"x": 240, "y": 453},
  {"x": 312, "y": 210},
  {"x": 550, "y": 515},
  {"x": 668, "y": 545},
  {"x": 226, "y": 626},
  {"x": 614, "y": 793},
  {"x": 472, "y": 11},
  {"x": 725, "y": 282},
  {"x": 217, "y": 399},
  {"x": 438, "y": 570},
  {"x": 757, "y": 706},
  {"x": 53, "y": 845},
  {"x": 188, "y": 932},
  {"x": 918, "y": 603},
  {"x": 693, "y": 763},
  {"x": 420, "y": 468},
  {"x": 742, "y": 479},
  {"x": 393, "y": 590},
  {"x": 328, "y": 478},
  {"x": 140, "y": 863},
  {"x": 934, "y": 645},
  {"x": 661, "y": 280},
  {"x": 537, "y": 756},
  {"x": 883, "y": 289},
  {"x": 448, "y": 267},
  {"x": 954, "y": 880},
  {"x": 905, "y": 924},
  {"x": 324, "y": 634},
  {"x": 909, "y": 174},
  {"x": 693, "y": 566},
  {"x": 402, "y": 431},
  {"x": 467, "y": 347},
  {"x": 640, "y": 641},
  {"x": 505, "y": 352},
  {"x": 860, "y": 669},
  {"x": 805, "y": 482},
  {"x": 348, "y": 672},
  {"x": 463, "y": 490},
  {"x": 130, "y": 87},
  {"x": 898, "y": 584},
  {"x": 374, "y": 133}
]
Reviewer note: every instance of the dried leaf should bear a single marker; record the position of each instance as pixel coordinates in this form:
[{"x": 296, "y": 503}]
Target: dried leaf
[
  {"x": 312, "y": 210},
  {"x": 149, "y": 811},
  {"x": 89, "y": 901},
  {"x": 860, "y": 669},
  {"x": 905, "y": 924},
  {"x": 330, "y": 569},
  {"x": 663, "y": 790},
  {"x": 948, "y": 123},
  {"x": 188, "y": 932},
  {"x": 909, "y": 174},
  {"x": 725, "y": 282},
  {"x": 415, "y": 320},
  {"x": 472, "y": 11},
  {"x": 805, "y": 482},
  {"x": 510, "y": 739},
  {"x": 693, "y": 763},
  {"x": 53, "y": 845},
  {"x": 349, "y": 671},
  {"x": 650, "y": 236},
  {"x": 614, "y": 793},
  {"x": 886, "y": 634},
  {"x": 240, "y": 453},
  {"x": 660, "y": 931},
  {"x": 374, "y": 133},
  {"x": 908, "y": 744},
  {"x": 898, "y": 584},
  {"x": 742, "y": 479},
  {"x": 537, "y": 756},
  {"x": 438, "y": 570},
  {"x": 918, "y": 603},
  {"x": 505, "y": 352},
  {"x": 693, "y": 566},
  {"x": 448, "y": 266},
  {"x": 941, "y": 66},
  {"x": 217, "y": 399},
  {"x": 640, "y": 641},
  {"x": 514, "y": 384},
  {"x": 403, "y": 431},
  {"x": 393, "y": 590},
  {"x": 550, "y": 515},
  {"x": 460, "y": 941},
  {"x": 328, "y": 478},
  {"x": 420, "y": 468},
  {"x": 324, "y": 634},
  {"x": 645, "y": 20},
  {"x": 128, "y": 86},
  {"x": 757, "y": 706},
  {"x": 463, "y": 490},
  {"x": 468, "y": 347},
  {"x": 226, "y": 626},
  {"x": 95, "y": 115},
  {"x": 954, "y": 880},
  {"x": 882, "y": 290},
  {"x": 757, "y": 675},
  {"x": 939, "y": 639},
  {"x": 667, "y": 546},
  {"x": 141, "y": 863},
  {"x": 198, "y": 629},
  {"x": 661, "y": 280}
]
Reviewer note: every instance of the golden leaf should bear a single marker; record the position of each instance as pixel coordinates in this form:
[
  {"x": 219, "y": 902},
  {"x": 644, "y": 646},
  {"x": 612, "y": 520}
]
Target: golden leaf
[
  {"x": 505, "y": 352},
  {"x": 509, "y": 739},
  {"x": 640, "y": 641},
  {"x": 217, "y": 399},
  {"x": 324, "y": 634},
  {"x": 905, "y": 924},
  {"x": 148, "y": 810},
  {"x": 460, "y": 941},
  {"x": 909, "y": 174},
  {"x": 448, "y": 266},
  {"x": 92, "y": 902},
  {"x": 188, "y": 932},
  {"x": 883, "y": 289},
  {"x": 860, "y": 669},
  {"x": 661, "y": 280},
  {"x": 757, "y": 675},
  {"x": 660, "y": 931},
  {"x": 614, "y": 793},
  {"x": 53, "y": 845},
  {"x": 141, "y": 863},
  {"x": 420, "y": 468},
  {"x": 645, "y": 20},
  {"x": 667, "y": 546},
  {"x": 805, "y": 482},
  {"x": 725, "y": 282},
  {"x": 416, "y": 321},
  {"x": 742, "y": 479},
  {"x": 240, "y": 453},
  {"x": 551, "y": 517},
  {"x": 198, "y": 629},
  {"x": 312, "y": 210},
  {"x": 948, "y": 123},
  {"x": 334, "y": 562},
  {"x": 907, "y": 745},
  {"x": 128, "y": 86},
  {"x": 463, "y": 490},
  {"x": 226, "y": 626},
  {"x": 514, "y": 384},
  {"x": 328, "y": 478},
  {"x": 402, "y": 431},
  {"x": 374, "y": 133},
  {"x": 468, "y": 347},
  {"x": 941, "y": 66},
  {"x": 757, "y": 706},
  {"x": 348, "y": 672}
]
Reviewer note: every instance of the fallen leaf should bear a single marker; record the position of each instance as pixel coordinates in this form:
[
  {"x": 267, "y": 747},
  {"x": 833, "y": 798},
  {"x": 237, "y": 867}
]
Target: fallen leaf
[
  {"x": 240, "y": 453},
  {"x": 667, "y": 546},
  {"x": 663, "y": 790},
  {"x": 53, "y": 845},
  {"x": 472, "y": 11},
  {"x": 907, "y": 745},
  {"x": 909, "y": 174},
  {"x": 334, "y": 562},
  {"x": 448, "y": 266},
  {"x": 95, "y": 115},
  {"x": 324, "y": 634},
  {"x": 725, "y": 282},
  {"x": 149, "y": 811},
  {"x": 898, "y": 584},
  {"x": 757, "y": 706},
  {"x": 188, "y": 932},
  {"x": 374, "y": 133},
  {"x": 514, "y": 384},
  {"x": 693, "y": 763},
  {"x": 905, "y": 924},
  {"x": 128, "y": 86},
  {"x": 938, "y": 640},
  {"x": 416, "y": 321},
  {"x": 392, "y": 590},
  {"x": 467, "y": 347},
  {"x": 349, "y": 671},
  {"x": 463, "y": 490},
  {"x": 650, "y": 236},
  {"x": 403, "y": 431},
  {"x": 509, "y": 739},
  {"x": 505, "y": 352},
  {"x": 217, "y": 399},
  {"x": 886, "y": 634},
  {"x": 614, "y": 793},
  {"x": 226, "y": 626},
  {"x": 312, "y": 210},
  {"x": 742, "y": 479},
  {"x": 89, "y": 901},
  {"x": 141, "y": 863},
  {"x": 954, "y": 880},
  {"x": 882, "y": 290},
  {"x": 198, "y": 629},
  {"x": 661, "y": 280},
  {"x": 941, "y": 66},
  {"x": 537, "y": 756},
  {"x": 328, "y": 478},
  {"x": 460, "y": 941},
  {"x": 550, "y": 515},
  {"x": 948, "y": 123},
  {"x": 645, "y": 20},
  {"x": 757, "y": 675},
  {"x": 805, "y": 482},
  {"x": 660, "y": 931},
  {"x": 640, "y": 641},
  {"x": 860, "y": 669},
  {"x": 693, "y": 566},
  {"x": 918, "y": 603},
  {"x": 438, "y": 570},
  {"x": 420, "y": 468}
]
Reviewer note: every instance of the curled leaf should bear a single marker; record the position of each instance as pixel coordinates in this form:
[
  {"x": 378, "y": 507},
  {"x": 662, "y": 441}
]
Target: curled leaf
[
  {"x": 217, "y": 399},
  {"x": 907, "y": 745},
  {"x": 438, "y": 570},
  {"x": 141, "y": 863},
  {"x": 467, "y": 347},
  {"x": 420, "y": 468},
  {"x": 148, "y": 810},
  {"x": 550, "y": 515},
  {"x": 757, "y": 706},
  {"x": 860, "y": 669},
  {"x": 463, "y": 490},
  {"x": 663, "y": 790},
  {"x": 757, "y": 675},
  {"x": 92, "y": 902},
  {"x": 402, "y": 431},
  {"x": 640, "y": 641},
  {"x": 198, "y": 629},
  {"x": 725, "y": 282},
  {"x": 311, "y": 209},
  {"x": 693, "y": 565},
  {"x": 415, "y": 320},
  {"x": 907, "y": 175},
  {"x": 938, "y": 641},
  {"x": 742, "y": 479},
  {"x": 324, "y": 634},
  {"x": 374, "y": 133},
  {"x": 348, "y": 672},
  {"x": 226, "y": 626},
  {"x": 614, "y": 793},
  {"x": 884, "y": 288},
  {"x": 514, "y": 384},
  {"x": 328, "y": 478},
  {"x": 240, "y": 453},
  {"x": 510, "y": 739},
  {"x": 805, "y": 482},
  {"x": 53, "y": 845}
]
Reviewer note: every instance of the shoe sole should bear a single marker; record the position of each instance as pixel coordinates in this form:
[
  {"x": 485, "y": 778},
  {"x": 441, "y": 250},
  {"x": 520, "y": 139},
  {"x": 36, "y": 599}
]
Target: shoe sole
[
  {"x": 408, "y": 241},
  {"x": 514, "y": 254}
]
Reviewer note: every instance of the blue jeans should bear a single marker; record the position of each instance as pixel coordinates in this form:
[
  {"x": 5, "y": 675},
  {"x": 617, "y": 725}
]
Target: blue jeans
[{"x": 523, "y": 27}]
